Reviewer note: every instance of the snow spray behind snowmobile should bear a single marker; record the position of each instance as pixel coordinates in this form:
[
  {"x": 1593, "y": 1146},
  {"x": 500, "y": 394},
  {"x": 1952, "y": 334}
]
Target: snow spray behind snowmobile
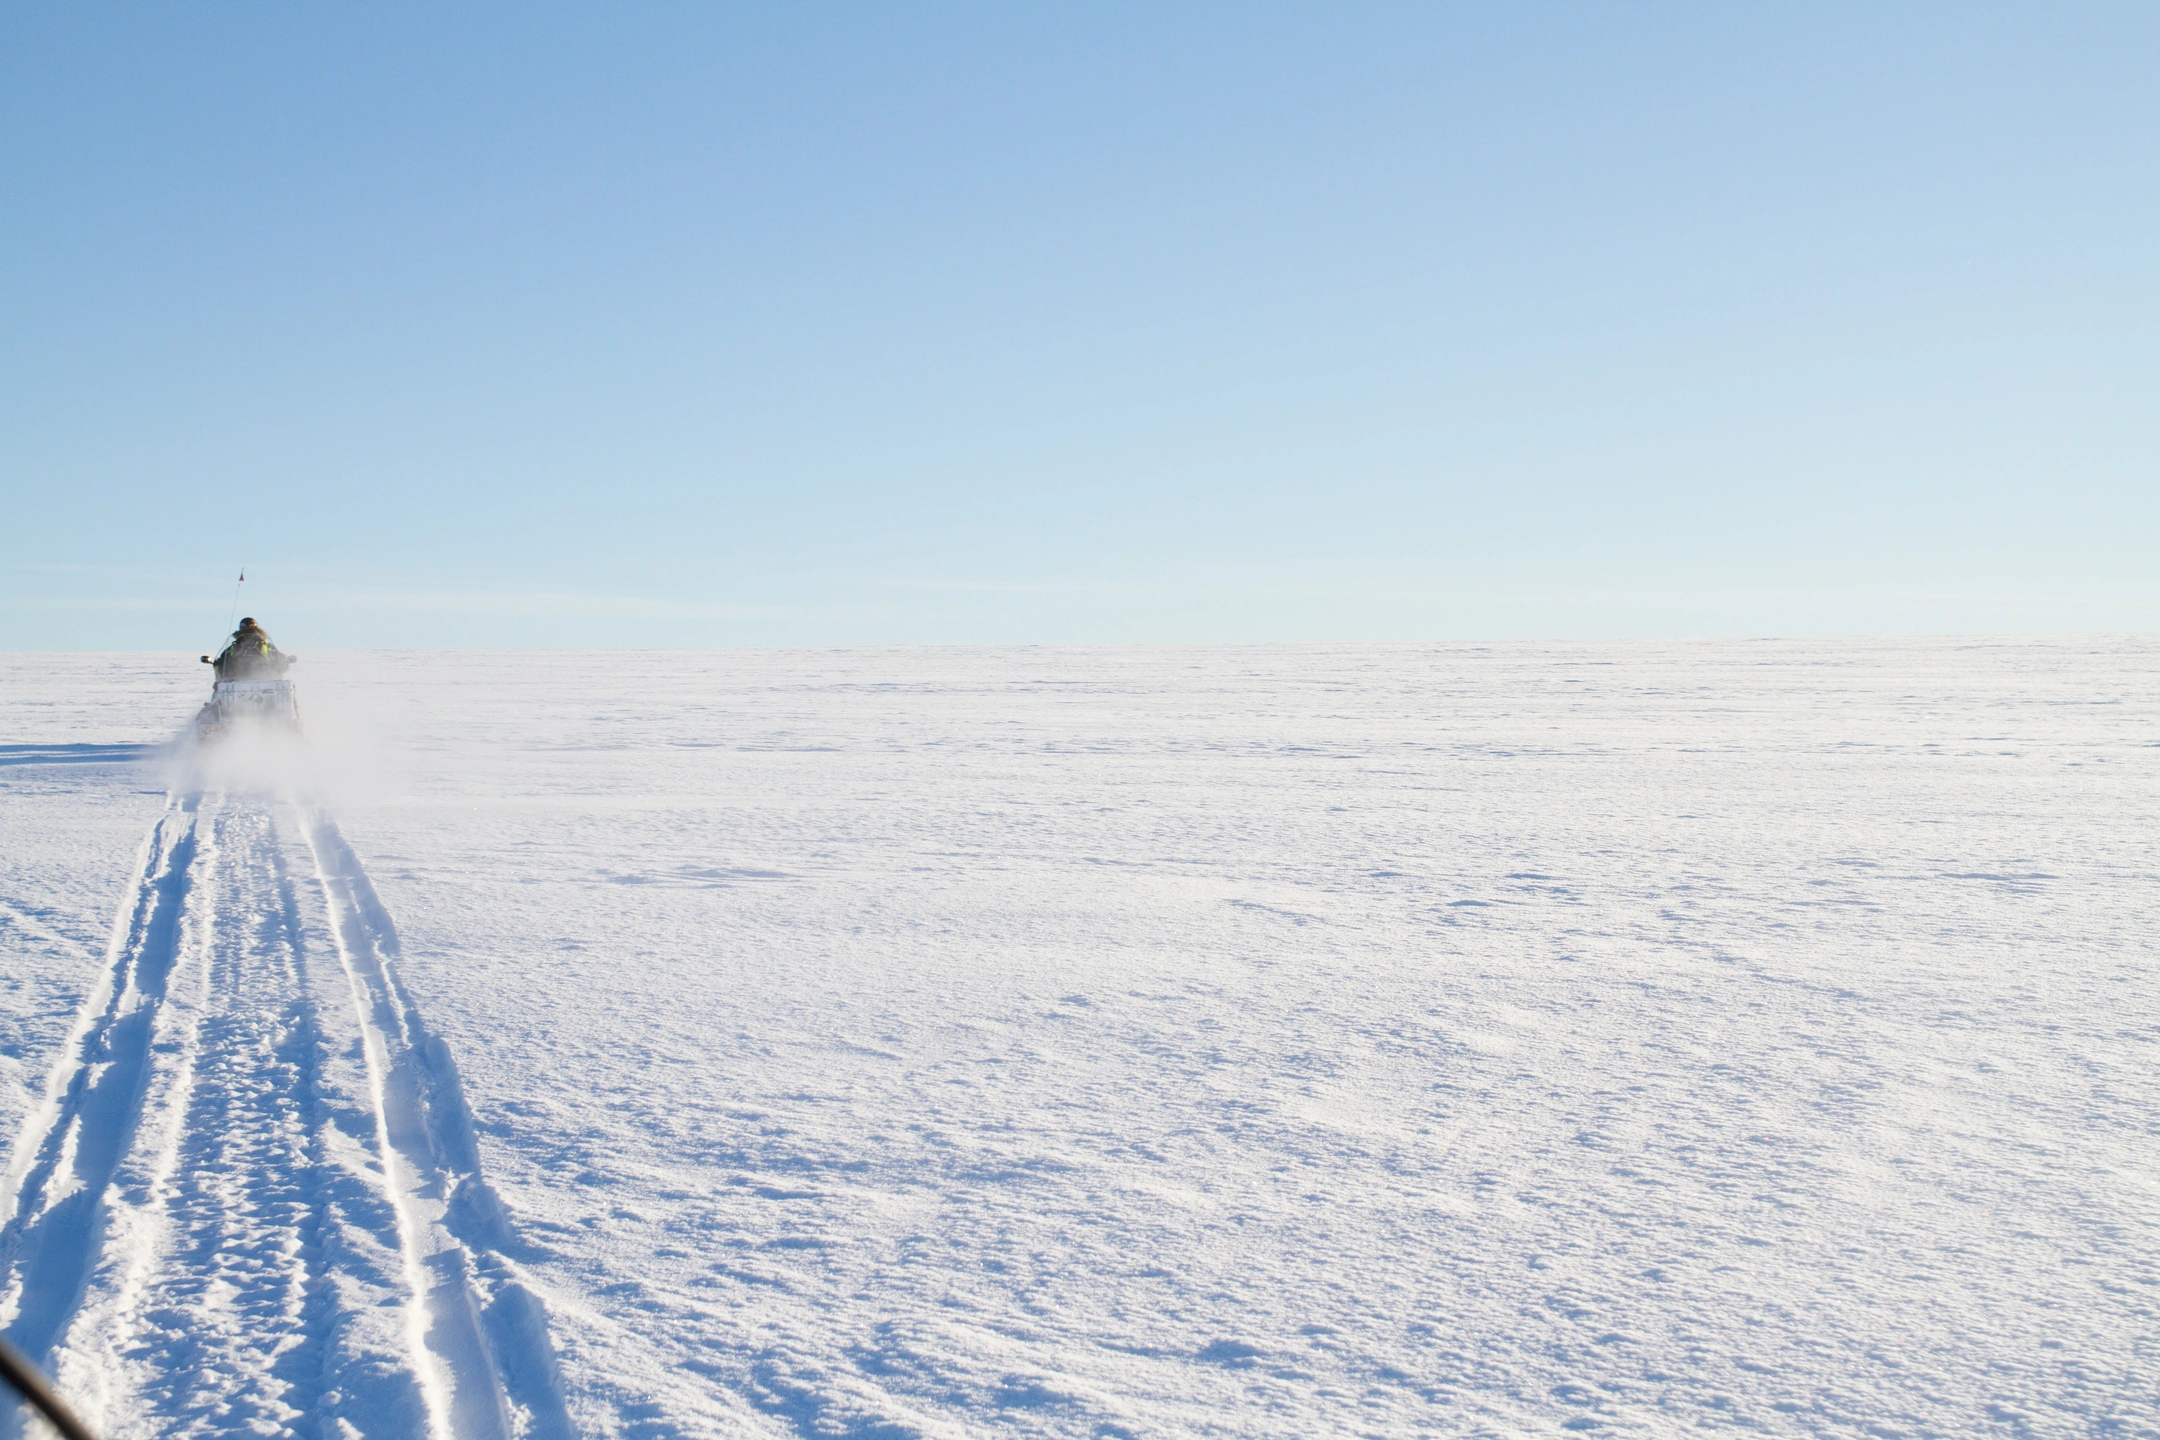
[{"x": 250, "y": 688}]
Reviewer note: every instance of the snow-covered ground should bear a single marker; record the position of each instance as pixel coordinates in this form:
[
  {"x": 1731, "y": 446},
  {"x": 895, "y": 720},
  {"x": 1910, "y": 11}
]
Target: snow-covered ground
[{"x": 1648, "y": 1038}]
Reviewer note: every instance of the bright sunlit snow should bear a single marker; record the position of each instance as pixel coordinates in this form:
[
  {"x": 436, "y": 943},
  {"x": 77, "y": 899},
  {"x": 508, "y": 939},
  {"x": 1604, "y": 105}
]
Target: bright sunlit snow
[{"x": 1281, "y": 1041}]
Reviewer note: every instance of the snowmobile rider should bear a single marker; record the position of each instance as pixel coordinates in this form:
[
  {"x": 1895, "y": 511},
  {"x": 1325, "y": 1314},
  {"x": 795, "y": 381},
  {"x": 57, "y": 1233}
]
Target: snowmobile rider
[{"x": 250, "y": 656}]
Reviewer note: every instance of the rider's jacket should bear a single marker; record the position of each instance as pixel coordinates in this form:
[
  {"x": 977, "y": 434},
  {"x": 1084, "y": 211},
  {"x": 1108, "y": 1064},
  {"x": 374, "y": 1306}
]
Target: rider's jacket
[{"x": 251, "y": 656}]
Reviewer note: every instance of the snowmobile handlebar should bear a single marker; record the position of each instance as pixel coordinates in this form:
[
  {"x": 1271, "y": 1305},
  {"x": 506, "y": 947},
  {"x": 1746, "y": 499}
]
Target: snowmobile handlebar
[{"x": 20, "y": 1373}]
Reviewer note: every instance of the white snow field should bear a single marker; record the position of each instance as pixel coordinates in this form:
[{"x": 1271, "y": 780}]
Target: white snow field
[{"x": 1653, "y": 1039}]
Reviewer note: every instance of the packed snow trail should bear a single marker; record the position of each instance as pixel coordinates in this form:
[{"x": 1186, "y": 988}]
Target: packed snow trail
[{"x": 251, "y": 1202}]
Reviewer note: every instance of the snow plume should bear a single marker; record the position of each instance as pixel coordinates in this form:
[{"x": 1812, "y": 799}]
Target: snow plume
[
  {"x": 248, "y": 758},
  {"x": 334, "y": 756}
]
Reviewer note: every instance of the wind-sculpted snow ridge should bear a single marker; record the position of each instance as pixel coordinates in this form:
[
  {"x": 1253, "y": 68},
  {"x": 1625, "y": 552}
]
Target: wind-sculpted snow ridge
[{"x": 251, "y": 1201}]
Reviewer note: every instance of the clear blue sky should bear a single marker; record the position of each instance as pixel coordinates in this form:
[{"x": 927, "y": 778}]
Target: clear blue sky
[{"x": 829, "y": 324}]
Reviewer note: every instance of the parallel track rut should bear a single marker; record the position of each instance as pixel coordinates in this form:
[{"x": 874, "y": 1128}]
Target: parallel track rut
[{"x": 251, "y": 1203}]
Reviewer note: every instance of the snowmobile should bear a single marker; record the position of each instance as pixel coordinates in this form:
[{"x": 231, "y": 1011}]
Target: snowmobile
[
  {"x": 250, "y": 688},
  {"x": 268, "y": 703}
]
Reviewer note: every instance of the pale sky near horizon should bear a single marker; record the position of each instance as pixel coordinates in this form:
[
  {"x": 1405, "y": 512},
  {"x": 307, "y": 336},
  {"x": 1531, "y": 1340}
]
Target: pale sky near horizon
[{"x": 728, "y": 325}]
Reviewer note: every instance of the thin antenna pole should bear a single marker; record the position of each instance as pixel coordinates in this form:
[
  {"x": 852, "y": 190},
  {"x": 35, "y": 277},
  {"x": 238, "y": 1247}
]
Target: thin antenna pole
[
  {"x": 236, "y": 598},
  {"x": 17, "y": 1370}
]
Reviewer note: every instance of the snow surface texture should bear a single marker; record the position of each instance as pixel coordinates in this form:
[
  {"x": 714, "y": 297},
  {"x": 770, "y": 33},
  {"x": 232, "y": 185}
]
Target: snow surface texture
[{"x": 1294, "y": 1041}]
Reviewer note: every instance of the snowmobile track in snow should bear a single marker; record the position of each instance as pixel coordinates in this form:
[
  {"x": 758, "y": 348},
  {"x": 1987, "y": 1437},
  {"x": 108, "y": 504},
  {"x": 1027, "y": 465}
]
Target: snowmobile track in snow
[
  {"x": 52, "y": 1209},
  {"x": 251, "y": 1199}
]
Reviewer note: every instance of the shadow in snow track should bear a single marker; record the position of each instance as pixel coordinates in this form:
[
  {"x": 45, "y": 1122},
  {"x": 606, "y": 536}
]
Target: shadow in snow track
[
  {"x": 55, "y": 1209},
  {"x": 76, "y": 754},
  {"x": 489, "y": 1364}
]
